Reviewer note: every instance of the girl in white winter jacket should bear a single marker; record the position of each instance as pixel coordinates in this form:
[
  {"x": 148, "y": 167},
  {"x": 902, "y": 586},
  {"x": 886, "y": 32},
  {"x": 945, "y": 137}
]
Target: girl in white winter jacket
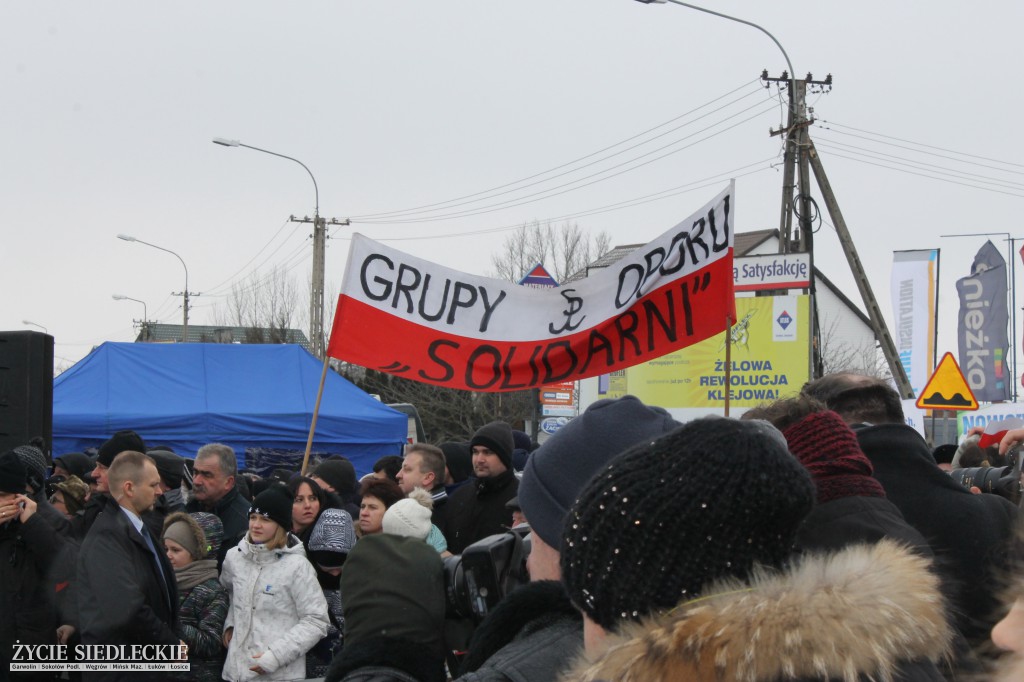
[{"x": 278, "y": 611}]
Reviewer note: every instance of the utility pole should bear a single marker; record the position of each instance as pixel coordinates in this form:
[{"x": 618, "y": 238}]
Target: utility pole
[
  {"x": 800, "y": 158},
  {"x": 316, "y": 294},
  {"x": 186, "y": 295},
  {"x": 899, "y": 375},
  {"x": 796, "y": 178}
]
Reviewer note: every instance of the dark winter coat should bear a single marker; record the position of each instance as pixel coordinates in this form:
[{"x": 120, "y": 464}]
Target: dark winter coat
[
  {"x": 201, "y": 618},
  {"x": 385, "y": 659},
  {"x": 233, "y": 512},
  {"x": 477, "y": 510},
  {"x": 968, "y": 533},
  {"x": 98, "y": 502},
  {"x": 122, "y": 598},
  {"x": 854, "y": 614},
  {"x": 27, "y": 592},
  {"x": 531, "y": 636}
]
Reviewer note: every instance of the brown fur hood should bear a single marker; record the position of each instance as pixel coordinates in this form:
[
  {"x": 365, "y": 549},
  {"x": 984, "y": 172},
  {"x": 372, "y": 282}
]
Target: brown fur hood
[{"x": 861, "y": 610}]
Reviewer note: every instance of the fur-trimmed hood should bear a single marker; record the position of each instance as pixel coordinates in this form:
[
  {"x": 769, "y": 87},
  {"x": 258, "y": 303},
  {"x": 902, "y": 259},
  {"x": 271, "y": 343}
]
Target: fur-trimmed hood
[{"x": 865, "y": 609}]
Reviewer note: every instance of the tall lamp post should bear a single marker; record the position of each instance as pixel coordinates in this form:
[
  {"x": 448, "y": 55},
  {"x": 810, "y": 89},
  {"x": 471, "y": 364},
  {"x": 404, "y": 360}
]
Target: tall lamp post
[
  {"x": 185, "y": 294},
  {"x": 33, "y": 324},
  {"x": 145, "y": 314},
  {"x": 316, "y": 298}
]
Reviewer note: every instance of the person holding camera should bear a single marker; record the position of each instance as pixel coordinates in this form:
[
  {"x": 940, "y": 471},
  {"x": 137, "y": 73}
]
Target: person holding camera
[
  {"x": 534, "y": 631},
  {"x": 970, "y": 533}
]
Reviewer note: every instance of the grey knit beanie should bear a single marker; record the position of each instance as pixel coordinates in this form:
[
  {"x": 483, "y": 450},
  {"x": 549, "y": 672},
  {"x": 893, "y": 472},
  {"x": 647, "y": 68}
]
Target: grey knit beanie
[{"x": 557, "y": 471}]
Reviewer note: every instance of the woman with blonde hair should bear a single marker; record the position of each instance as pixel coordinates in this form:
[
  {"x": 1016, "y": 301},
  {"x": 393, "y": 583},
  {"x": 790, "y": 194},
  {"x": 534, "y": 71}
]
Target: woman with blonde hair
[{"x": 278, "y": 611}]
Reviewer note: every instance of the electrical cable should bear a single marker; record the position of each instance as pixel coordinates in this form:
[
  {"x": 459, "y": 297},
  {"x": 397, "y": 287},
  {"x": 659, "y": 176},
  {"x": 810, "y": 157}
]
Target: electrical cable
[
  {"x": 918, "y": 164},
  {"x": 527, "y": 199},
  {"x": 709, "y": 181},
  {"x": 924, "y": 175},
  {"x": 921, "y": 144},
  {"x": 563, "y": 165}
]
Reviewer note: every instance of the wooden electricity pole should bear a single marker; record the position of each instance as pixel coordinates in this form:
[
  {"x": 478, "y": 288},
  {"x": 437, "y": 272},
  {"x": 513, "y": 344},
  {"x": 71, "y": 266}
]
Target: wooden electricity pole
[{"x": 800, "y": 159}]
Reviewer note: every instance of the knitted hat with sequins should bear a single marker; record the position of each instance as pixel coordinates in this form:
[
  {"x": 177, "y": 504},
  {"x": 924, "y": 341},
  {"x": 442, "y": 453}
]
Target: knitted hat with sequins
[{"x": 705, "y": 502}]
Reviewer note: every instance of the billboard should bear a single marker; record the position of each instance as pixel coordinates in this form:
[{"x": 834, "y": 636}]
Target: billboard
[{"x": 769, "y": 360}]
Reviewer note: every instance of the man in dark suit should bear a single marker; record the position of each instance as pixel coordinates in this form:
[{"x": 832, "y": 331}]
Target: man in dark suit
[{"x": 127, "y": 590}]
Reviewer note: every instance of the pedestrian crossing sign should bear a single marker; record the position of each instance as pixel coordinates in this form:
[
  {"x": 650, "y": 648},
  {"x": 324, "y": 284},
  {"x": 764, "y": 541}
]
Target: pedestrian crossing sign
[{"x": 947, "y": 389}]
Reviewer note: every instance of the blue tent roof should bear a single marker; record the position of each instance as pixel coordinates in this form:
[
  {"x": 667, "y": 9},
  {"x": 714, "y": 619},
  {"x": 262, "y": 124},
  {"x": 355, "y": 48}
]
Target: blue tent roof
[{"x": 247, "y": 395}]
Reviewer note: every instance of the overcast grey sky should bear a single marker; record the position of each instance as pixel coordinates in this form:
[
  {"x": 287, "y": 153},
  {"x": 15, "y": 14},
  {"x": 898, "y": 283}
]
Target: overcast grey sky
[{"x": 109, "y": 108}]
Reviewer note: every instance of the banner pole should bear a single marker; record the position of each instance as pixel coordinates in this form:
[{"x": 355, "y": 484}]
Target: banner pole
[
  {"x": 316, "y": 413},
  {"x": 728, "y": 361}
]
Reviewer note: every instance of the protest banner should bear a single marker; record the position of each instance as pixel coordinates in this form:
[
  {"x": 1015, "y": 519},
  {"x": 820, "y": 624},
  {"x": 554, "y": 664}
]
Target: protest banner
[{"x": 407, "y": 316}]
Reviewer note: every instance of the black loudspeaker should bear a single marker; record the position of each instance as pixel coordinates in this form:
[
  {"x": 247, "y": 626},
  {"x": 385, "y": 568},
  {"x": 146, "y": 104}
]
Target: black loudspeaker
[{"x": 26, "y": 389}]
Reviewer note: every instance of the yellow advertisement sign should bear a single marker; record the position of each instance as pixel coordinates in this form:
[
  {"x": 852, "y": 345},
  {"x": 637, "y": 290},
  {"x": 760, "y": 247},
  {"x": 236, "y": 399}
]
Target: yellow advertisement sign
[{"x": 769, "y": 361}]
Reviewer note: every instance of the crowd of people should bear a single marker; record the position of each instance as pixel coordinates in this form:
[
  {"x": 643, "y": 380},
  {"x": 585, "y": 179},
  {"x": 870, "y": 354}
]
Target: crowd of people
[{"x": 815, "y": 538}]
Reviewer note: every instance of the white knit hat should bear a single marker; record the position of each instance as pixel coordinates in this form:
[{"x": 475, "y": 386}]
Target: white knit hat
[{"x": 410, "y": 517}]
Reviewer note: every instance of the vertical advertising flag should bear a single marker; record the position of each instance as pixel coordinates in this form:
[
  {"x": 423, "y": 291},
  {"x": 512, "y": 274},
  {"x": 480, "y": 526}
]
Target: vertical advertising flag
[
  {"x": 981, "y": 331},
  {"x": 913, "y": 308}
]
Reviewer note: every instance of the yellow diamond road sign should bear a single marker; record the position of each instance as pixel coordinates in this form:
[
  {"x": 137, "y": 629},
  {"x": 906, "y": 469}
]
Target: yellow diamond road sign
[{"x": 947, "y": 389}]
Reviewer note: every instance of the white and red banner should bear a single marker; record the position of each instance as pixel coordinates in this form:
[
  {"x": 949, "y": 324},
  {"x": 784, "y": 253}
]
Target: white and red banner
[{"x": 407, "y": 316}]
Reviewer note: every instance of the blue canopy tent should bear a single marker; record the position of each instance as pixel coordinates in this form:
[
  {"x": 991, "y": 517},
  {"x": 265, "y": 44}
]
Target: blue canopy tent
[{"x": 248, "y": 396}]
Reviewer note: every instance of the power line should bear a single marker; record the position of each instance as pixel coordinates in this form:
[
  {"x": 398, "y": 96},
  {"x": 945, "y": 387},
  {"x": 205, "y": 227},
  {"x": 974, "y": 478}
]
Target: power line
[
  {"x": 491, "y": 195},
  {"x": 210, "y": 290},
  {"x": 702, "y": 183},
  {"x": 921, "y": 151},
  {"x": 548, "y": 193},
  {"x": 925, "y": 175},
  {"x": 920, "y": 165},
  {"x": 568, "y": 163}
]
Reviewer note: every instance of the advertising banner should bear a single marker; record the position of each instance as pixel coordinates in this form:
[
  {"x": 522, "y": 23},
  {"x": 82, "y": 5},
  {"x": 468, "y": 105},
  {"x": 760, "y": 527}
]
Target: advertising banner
[
  {"x": 407, "y": 316},
  {"x": 769, "y": 361},
  {"x": 981, "y": 331},
  {"x": 990, "y": 413},
  {"x": 913, "y": 287}
]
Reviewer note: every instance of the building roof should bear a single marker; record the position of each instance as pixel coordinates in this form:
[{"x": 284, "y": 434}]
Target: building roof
[
  {"x": 744, "y": 243},
  {"x": 198, "y": 333}
]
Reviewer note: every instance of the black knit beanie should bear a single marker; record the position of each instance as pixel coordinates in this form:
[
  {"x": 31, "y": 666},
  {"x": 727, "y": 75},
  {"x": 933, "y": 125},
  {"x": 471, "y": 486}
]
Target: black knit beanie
[
  {"x": 275, "y": 504},
  {"x": 337, "y": 473},
  {"x": 13, "y": 476},
  {"x": 557, "y": 471},
  {"x": 118, "y": 443},
  {"x": 496, "y": 436},
  {"x": 705, "y": 502}
]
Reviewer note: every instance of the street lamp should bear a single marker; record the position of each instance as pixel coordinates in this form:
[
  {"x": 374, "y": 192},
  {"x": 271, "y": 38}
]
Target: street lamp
[
  {"x": 33, "y": 324},
  {"x": 731, "y": 18},
  {"x": 185, "y": 293},
  {"x": 145, "y": 314},
  {"x": 316, "y": 299}
]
